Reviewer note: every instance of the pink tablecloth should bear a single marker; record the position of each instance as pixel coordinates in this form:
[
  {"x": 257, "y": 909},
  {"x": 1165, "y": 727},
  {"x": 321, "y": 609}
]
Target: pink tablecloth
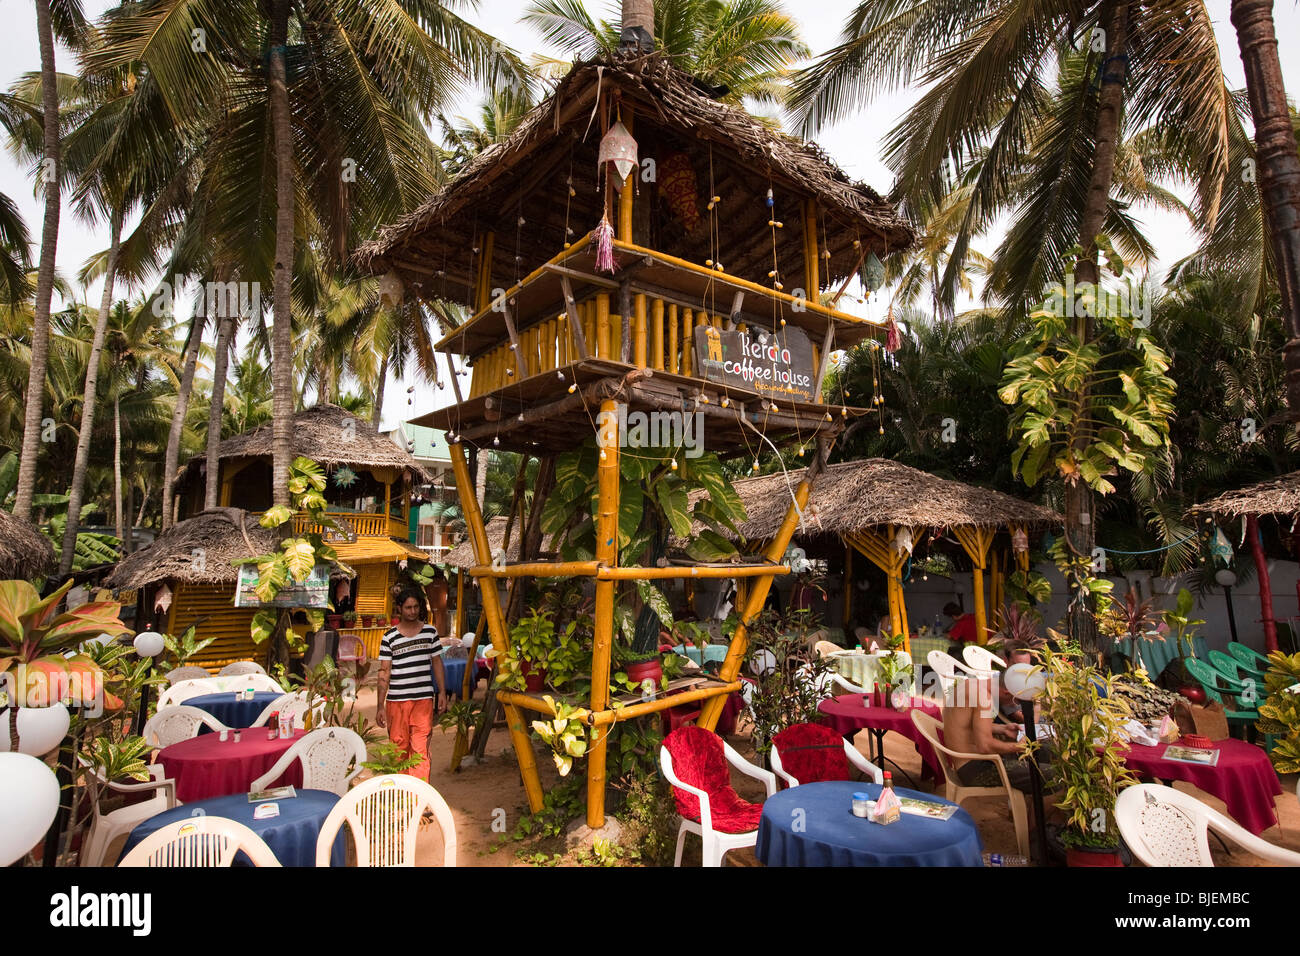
[
  {"x": 1244, "y": 779},
  {"x": 206, "y": 767},
  {"x": 847, "y": 713}
]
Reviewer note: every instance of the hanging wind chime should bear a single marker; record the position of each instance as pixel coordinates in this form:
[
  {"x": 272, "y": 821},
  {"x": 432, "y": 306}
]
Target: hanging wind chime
[{"x": 617, "y": 149}]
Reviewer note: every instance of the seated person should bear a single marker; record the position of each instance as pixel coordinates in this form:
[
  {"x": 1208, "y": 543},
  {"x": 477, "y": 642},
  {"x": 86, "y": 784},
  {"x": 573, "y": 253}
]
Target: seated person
[
  {"x": 1013, "y": 652},
  {"x": 962, "y": 630},
  {"x": 968, "y": 727}
]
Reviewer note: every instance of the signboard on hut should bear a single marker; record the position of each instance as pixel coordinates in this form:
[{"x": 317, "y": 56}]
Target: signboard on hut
[
  {"x": 772, "y": 364},
  {"x": 313, "y": 592}
]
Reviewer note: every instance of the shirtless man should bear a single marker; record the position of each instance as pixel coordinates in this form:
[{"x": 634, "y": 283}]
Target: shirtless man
[{"x": 968, "y": 727}]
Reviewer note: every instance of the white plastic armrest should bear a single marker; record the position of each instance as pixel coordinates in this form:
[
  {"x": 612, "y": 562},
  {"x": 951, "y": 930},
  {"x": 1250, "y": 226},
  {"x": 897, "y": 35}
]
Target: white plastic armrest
[
  {"x": 848, "y": 684},
  {"x": 780, "y": 770},
  {"x": 1256, "y": 845},
  {"x": 748, "y": 769},
  {"x": 279, "y": 767},
  {"x": 863, "y": 764},
  {"x": 706, "y": 817},
  {"x": 168, "y": 787}
]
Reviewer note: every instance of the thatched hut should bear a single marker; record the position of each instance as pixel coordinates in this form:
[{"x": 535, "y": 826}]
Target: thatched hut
[
  {"x": 1278, "y": 497},
  {"x": 881, "y": 508},
  {"x": 192, "y": 564},
  {"x": 25, "y": 553}
]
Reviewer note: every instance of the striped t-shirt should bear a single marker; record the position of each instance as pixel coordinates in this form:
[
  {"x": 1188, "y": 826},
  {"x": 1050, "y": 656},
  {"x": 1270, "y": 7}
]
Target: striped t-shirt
[{"x": 412, "y": 676}]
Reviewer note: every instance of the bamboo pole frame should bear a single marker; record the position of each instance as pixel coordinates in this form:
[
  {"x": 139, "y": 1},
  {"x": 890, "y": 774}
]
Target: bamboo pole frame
[
  {"x": 607, "y": 554},
  {"x": 976, "y": 543},
  {"x": 879, "y": 550}
]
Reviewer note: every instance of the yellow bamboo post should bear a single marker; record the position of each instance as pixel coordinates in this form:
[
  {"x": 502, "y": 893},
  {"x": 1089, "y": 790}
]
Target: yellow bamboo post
[
  {"x": 603, "y": 341},
  {"x": 975, "y": 542},
  {"x": 755, "y": 599},
  {"x": 657, "y": 334},
  {"x": 607, "y": 555},
  {"x": 639, "y": 338},
  {"x": 674, "y": 353},
  {"x": 496, "y": 623},
  {"x": 616, "y": 335},
  {"x": 625, "y": 198},
  {"x": 485, "y": 271},
  {"x": 460, "y": 603},
  {"x": 688, "y": 333},
  {"x": 848, "y": 586},
  {"x": 812, "y": 268}
]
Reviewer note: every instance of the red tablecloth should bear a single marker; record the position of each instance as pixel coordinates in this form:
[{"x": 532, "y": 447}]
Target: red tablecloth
[
  {"x": 847, "y": 713},
  {"x": 1244, "y": 779},
  {"x": 206, "y": 767}
]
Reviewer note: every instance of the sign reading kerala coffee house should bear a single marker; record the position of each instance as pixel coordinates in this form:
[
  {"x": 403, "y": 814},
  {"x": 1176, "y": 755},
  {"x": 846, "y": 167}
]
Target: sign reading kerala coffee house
[{"x": 773, "y": 364}]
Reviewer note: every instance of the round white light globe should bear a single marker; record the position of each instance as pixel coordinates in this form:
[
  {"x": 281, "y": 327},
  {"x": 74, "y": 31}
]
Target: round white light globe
[
  {"x": 467, "y": 639},
  {"x": 149, "y": 644},
  {"x": 763, "y": 663},
  {"x": 29, "y": 800},
  {"x": 1225, "y": 577},
  {"x": 1024, "y": 681},
  {"x": 40, "y": 729}
]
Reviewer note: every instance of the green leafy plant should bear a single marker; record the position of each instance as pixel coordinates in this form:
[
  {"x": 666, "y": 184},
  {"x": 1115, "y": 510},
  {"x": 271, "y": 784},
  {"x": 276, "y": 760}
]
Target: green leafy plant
[
  {"x": 334, "y": 696},
  {"x": 790, "y": 691},
  {"x": 566, "y": 736},
  {"x": 1279, "y": 715},
  {"x": 1087, "y": 719},
  {"x": 182, "y": 648},
  {"x": 461, "y": 717},
  {"x": 649, "y": 818},
  {"x": 386, "y": 758},
  {"x": 1182, "y": 629}
]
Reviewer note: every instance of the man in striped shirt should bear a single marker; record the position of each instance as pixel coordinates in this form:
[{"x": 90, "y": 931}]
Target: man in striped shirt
[{"x": 412, "y": 685}]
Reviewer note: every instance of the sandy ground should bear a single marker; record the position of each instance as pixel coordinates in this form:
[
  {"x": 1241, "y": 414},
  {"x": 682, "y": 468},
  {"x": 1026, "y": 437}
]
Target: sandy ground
[{"x": 492, "y": 792}]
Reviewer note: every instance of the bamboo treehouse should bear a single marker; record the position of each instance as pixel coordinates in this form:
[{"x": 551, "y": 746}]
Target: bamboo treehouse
[
  {"x": 188, "y": 575},
  {"x": 636, "y": 248}
]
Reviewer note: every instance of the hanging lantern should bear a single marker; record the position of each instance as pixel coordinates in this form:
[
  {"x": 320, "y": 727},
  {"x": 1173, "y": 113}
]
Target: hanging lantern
[
  {"x": 390, "y": 290},
  {"x": 873, "y": 273},
  {"x": 618, "y": 147},
  {"x": 1220, "y": 547},
  {"x": 902, "y": 541},
  {"x": 1020, "y": 541}
]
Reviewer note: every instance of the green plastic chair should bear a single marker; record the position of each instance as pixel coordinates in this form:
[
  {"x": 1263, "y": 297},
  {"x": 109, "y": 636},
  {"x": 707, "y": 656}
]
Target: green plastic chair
[
  {"x": 1233, "y": 690},
  {"x": 1248, "y": 657},
  {"x": 1230, "y": 666}
]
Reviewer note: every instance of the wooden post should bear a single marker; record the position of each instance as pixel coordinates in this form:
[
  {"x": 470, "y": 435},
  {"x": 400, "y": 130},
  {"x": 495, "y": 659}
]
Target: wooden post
[
  {"x": 604, "y": 344},
  {"x": 496, "y": 623},
  {"x": 575, "y": 320},
  {"x": 607, "y": 554},
  {"x": 688, "y": 336},
  {"x": 812, "y": 268},
  {"x": 975, "y": 542},
  {"x": 848, "y": 588},
  {"x": 657, "y": 335},
  {"x": 672, "y": 365},
  {"x": 484, "y": 297},
  {"x": 1265, "y": 586},
  {"x": 625, "y": 197},
  {"x": 639, "y": 338}
]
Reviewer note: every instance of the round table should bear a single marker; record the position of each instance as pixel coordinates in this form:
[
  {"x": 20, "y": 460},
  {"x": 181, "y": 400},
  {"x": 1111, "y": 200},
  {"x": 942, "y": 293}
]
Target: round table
[
  {"x": 206, "y": 766},
  {"x": 232, "y": 712},
  {"x": 814, "y": 825},
  {"x": 848, "y": 713},
  {"x": 1244, "y": 778},
  {"x": 291, "y": 835}
]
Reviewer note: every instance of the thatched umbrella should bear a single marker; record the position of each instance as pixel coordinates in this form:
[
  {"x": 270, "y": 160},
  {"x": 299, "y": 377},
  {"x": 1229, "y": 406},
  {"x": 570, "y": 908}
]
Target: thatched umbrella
[
  {"x": 1276, "y": 496},
  {"x": 877, "y": 507},
  {"x": 24, "y": 552}
]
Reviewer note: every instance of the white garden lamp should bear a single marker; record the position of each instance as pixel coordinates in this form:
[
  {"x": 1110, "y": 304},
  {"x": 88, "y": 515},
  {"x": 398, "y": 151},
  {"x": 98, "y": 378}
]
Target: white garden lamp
[
  {"x": 29, "y": 801},
  {"x": 1026, "y": 683},
  {"x": 149, "y": 643}
]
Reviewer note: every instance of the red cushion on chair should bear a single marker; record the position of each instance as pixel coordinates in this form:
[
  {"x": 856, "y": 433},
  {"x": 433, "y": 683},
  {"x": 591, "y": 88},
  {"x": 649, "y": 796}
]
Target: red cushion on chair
[
  {"x": 699, "y": 761},
  {"x": 811, "y": 753}
]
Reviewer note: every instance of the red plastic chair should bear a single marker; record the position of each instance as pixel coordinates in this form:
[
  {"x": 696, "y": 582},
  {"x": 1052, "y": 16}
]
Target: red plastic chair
[
  {"x": 810, "y": 753},
  {"x": 695, "y": 762}
]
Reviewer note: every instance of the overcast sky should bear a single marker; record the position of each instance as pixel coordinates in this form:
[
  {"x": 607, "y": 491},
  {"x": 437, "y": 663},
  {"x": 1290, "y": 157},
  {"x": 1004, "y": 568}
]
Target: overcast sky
[{"x": 854, "y": 144}]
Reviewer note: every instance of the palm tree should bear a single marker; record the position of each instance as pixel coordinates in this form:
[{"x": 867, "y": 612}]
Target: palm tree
[
  {"x": 62, "y": 19},
  {"x": 1279, "y": 165},
  {"x": 743, "y": 48}
]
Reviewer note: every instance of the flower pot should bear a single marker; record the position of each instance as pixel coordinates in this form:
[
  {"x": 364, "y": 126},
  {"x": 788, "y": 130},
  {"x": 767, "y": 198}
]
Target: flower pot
[
  {"x": 1093, "y": 856},
  {"x": 534, "y": 678},
  {"x": 334, "y": 621},
  {"x": 1193, "y": 692},
  {"x": 367, "y": 620},
  {"x": 653, "y": 669},
  {"x": 394, "y": 620},
  {"x": 40, "y": 729}
]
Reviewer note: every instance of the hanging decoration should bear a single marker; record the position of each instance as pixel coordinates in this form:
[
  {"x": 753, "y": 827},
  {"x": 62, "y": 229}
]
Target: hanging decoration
[
  {"x": 1020, "y": 541},
  {"x": 390, "y": 290},
  {"x": 603, "y": 238},
  {"x": 1220, "y": 547},
  {"x": 893, "y": 338},
  {"x": 618, "y": 147},
  {"x": 680, "y": 190},
  {"x": 873, "y": 273},
  {"x": 902, "y": 540},
  {"x": 345, "y": 477}
]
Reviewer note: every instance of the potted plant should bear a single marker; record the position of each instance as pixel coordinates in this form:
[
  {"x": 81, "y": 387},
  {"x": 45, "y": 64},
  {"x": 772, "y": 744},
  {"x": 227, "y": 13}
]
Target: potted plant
[
  {"x": 1087, "y": 719},
  {"x": 334, "y": 621},
  {"x": 1180, "y": 626}
]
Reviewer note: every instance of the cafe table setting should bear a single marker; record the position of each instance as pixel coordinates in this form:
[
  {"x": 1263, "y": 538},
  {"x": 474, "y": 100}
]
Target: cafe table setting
[
  {"x": 234, "y": 708},
  {"x": 210, "y": 766}
]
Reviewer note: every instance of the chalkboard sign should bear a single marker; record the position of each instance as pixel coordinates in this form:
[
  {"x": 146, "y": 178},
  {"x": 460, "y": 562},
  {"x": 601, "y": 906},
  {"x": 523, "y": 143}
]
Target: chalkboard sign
[{"x": 772, "y": 364}]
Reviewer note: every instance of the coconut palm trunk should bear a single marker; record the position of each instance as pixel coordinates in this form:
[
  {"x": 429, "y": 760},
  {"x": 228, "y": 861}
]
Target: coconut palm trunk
[
  {"x": 1278, "y": 168},
  {"x": 45, "y": 273},
  {"x": 220, "y": 365},
  {"x": 1080, "y": 529},
  {"x": 118, "y": 523},
  {"x": 85, "y": 433},
  {"x": 172, "y": 457},
  {"x": 378, "y": 412},
  {"x": 282, "y": 337}
]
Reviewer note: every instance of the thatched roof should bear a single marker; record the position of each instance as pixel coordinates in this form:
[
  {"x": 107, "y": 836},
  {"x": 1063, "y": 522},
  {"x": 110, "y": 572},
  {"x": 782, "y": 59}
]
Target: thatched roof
[
  {"x": 326, "y": 434},
  {"x": 1277, "y": 496},
  {"x": 201, "y": 549},
  {"x": 854, "y": 495},
  {"x": 462, "y": 556},
  {"x": 24, "y": 552},
  {"x": 519, "y": 188}
]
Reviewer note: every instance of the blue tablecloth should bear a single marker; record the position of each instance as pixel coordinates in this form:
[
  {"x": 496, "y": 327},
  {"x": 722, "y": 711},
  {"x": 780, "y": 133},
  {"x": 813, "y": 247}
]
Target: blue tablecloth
[
  {"x": 291, "y": 836},
  {"x": 454, "y": 673},
  {"x": 814, "y": 825},
  {"x": 231, "y": 712}
]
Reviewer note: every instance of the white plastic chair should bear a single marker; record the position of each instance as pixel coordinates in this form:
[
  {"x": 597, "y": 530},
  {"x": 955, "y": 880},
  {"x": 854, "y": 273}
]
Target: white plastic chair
[
  {"x": 183, "y": 690},
  {"x": 850, "y": 751},
  {"x": 188, "y": 672},
  {"x": 983, "y": 660},
  {"x": 239, "y": 668},
  {"x": 330, "y": 758},
  {"x": 107, "y": 827},
  {"x": 946, "y": 666},
  {"x": 171, "y": 725},
  {"x": 384, "y": 815},
  {"x": 200, "y": 841},
  {"x": 716, "y": 843},
  {"x": 238, "y": 682},
  {"x": 1166, "y": 827},
  {"x": 295, "y": 704}
]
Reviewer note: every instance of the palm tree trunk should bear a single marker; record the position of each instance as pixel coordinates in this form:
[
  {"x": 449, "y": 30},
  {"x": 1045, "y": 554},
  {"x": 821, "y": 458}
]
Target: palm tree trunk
[
  {"x": 378, "y": 412},
  {"x": 1080, "y": 529},
  {"x": 84, "y": 434},
  {"x": 117, "y": 472},
  {"x": 1265, "y": 586},
  {"x": 282, "y": 336},
  {"x": 1278, "y": 168},
  {"x": 219, "y": 369},
  {"x": 182, "y": 408},
  {"x": 45, "y": 274}
]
